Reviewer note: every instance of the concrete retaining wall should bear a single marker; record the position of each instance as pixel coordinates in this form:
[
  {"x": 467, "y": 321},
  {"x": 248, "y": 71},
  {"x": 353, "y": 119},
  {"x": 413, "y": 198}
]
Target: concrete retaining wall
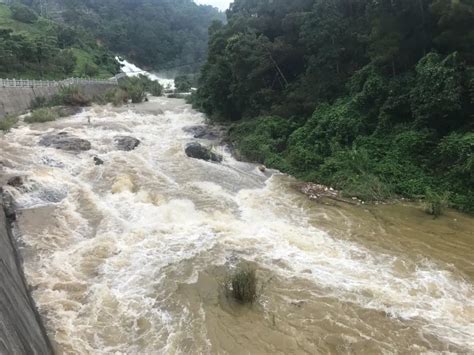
[
  {"x": 21, "y": 330},
  {"x": 17, "y": 100}
]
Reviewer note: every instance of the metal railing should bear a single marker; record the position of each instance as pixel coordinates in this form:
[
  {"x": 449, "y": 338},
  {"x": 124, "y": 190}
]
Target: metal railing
[{"x": 25, "y": 83}]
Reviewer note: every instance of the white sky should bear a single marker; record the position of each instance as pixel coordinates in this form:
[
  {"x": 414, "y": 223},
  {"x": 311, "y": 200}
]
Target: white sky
[{"x": 221, "y": 4}]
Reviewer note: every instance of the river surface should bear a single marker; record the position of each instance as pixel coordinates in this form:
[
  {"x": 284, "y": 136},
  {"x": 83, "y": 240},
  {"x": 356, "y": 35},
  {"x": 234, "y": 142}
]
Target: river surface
[{"x": 129, "y": 257}]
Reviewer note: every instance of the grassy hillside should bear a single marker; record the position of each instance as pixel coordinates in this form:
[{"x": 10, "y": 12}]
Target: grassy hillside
[{"x": 38, "y": 48}]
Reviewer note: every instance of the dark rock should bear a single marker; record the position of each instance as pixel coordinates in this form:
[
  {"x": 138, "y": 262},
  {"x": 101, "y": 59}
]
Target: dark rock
[
  {"x": 198, "y": 151},
  {"x": 65, "y": 141},
  {"x": 126, "y": 143},
  {"x": 98, "y": 161},
  {"x": 202, "y": 132},
  {"x": 16, "y": 181}
]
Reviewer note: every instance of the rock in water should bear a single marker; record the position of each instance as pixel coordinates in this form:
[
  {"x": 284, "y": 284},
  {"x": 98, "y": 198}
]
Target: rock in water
[
  {"x": 65, "y": 141},
  {"x": 201, "y": 132},
  {"x": 16, "y": 181},
  {"x": 98, "y": 161},
  {"x": 126, "y": 143},
  {"x": 198, "y": 151}
]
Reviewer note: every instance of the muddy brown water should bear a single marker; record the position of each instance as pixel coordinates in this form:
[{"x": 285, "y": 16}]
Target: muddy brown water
[{"x": 129, "y": 257}]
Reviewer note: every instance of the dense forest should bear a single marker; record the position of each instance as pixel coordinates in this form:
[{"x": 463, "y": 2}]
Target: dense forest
[
  {"x": 157, "y": 34},
  {"x": 372, "y": 97}
]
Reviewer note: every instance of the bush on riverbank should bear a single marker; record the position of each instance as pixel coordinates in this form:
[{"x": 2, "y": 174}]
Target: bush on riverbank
[
  {"x": 7, "y": 122},
  {"x": 42, "y": 115},
  {"x": 71, "y": 96},
  {"x": 137, "y": 87}
]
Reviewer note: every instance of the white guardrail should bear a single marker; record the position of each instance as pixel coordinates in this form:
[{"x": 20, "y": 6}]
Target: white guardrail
[{"x": 24, "y": 83}]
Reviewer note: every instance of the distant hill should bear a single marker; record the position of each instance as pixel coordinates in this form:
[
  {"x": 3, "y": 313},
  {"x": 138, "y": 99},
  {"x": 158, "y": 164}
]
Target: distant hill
[{"x": 156, "y": 34}]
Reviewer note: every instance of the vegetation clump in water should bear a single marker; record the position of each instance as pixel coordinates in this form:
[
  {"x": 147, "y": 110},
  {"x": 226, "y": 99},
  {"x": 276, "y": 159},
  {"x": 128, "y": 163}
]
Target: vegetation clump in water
[
  {"x": 242, "y": 285},
  {"x": 435, "y": 203}
]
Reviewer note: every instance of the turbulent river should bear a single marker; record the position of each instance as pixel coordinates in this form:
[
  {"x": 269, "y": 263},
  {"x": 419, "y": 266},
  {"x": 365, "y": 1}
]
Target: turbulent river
[{"x": 129, "y": 256}]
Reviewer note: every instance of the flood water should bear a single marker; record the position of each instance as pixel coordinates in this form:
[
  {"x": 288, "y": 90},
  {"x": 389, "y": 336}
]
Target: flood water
[{"x": 128, "y": 257}]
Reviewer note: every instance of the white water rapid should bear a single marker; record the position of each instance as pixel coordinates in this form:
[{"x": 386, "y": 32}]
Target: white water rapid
[{"x": 128, "y": 257}]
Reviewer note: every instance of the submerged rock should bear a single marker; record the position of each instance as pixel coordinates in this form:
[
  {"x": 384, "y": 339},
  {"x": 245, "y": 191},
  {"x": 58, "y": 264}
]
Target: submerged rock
[
  {"x": 202, "y": 132},
  {"x": 16, "y": 181},
  {"x": 65, "y": 141},
  {"x": 126, "y": 143},
  {"x": 198, "y": 151}
]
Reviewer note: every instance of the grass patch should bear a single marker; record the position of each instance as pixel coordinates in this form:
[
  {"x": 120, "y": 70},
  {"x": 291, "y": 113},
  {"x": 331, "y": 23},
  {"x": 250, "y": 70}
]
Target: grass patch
[
  {"x": 242, "y": 285},
  {"x": 7, "y": 122},
  {"x": 42, "y": 115}
]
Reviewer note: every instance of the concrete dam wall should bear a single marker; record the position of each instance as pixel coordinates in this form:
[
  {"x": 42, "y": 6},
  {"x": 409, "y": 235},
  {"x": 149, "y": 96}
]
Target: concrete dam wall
[
  {"x": 21, "y": 330},
  {"x": 17, "y": 96}
]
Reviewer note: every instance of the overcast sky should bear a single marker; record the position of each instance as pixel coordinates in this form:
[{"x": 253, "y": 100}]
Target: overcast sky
[{"x": 221, "y": 4}]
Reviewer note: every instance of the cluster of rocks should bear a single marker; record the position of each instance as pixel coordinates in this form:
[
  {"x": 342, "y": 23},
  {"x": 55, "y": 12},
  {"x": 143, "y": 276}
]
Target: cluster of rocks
[
  {"x": 69, "y": 142},
  {"x": 200, "y": 151}
]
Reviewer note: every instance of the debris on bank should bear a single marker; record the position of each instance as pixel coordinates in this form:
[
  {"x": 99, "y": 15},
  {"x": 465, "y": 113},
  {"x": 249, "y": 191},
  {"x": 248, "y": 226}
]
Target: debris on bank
[{"x": 318, "y": 192}]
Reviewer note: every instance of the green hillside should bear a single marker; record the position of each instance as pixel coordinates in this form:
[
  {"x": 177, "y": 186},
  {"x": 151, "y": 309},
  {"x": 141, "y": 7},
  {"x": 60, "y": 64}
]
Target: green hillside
[{"x": 34, "y": 47}]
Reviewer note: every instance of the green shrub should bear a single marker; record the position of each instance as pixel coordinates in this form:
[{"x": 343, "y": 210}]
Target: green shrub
[
  {"x": 242, "y": 285},
  {"x": 263, "y": 139},
  {"x": 182, "y": 83},
  {"x": 7, "y": 122},
  {"x": 39, "y": 102},
  {"x": 117, "y": 96},
  {"x": 435, "y": 202},
  {"x": 90, "y": 70},
  {"x": 71, "y": 96},
  {"x": 136, "y": 93},
  {"x": 42, "y": 115},
  {"x": 137, "y": 87},
  {"x": 154, "y": 88},
  {"x": 23, "y": 13}
]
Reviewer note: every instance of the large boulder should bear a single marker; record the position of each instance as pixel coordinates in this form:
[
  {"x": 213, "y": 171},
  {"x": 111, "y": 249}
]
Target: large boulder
[
  {"x": 198, "y": 151},
  {"x": 126, "y": 143},
  {"x": 65, "y": 141}
]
